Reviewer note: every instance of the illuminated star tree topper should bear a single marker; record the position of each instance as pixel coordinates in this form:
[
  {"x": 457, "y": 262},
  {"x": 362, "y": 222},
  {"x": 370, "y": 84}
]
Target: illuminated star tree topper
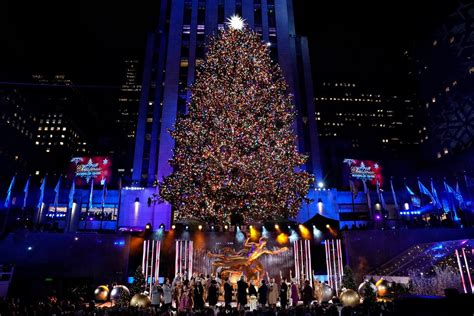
[
  {"x": 235, "y": 149},
  {"x": 235, "y": 22}
]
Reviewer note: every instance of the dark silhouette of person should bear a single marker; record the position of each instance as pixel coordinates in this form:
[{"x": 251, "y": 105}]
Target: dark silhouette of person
[
  {"x": 263, "y": 294},
  {"x": 227, "y": 293},
  {"x": 283, "y": 294},
  {"x": 242, "y": 287},
  {"x": 213, "y": 293},
  {"x": 198, "y": 296}
]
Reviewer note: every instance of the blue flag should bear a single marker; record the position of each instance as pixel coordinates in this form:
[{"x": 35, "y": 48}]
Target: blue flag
[
  {"x": 459, "y": 195},
  {"x": 435, "y": 195},
  {"x": 91, "y": 194},
  {"x": 104, "y": 192},
  {"x": 25, "y": 190},
  {"x": 424, "y": 190},
  {"x": 72, "y": 192},
  {"x": 56, "y": 190},
  {"x": 409, "y": 190},
  {"x": 42, "y": 188},
  {"x": 394, "y": 195},
  {"x": 9, "y": 193},
  {"x": 380, "y": 195}
]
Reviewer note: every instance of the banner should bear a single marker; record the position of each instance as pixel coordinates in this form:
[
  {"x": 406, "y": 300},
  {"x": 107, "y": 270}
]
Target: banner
[
  {"x": 86, "y": 169},
  {"x": 364, "y": 170}
]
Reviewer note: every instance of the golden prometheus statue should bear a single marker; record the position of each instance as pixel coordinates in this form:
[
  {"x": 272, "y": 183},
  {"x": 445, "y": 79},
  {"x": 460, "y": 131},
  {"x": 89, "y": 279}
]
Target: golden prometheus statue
[{"x": 245, "y": 260}]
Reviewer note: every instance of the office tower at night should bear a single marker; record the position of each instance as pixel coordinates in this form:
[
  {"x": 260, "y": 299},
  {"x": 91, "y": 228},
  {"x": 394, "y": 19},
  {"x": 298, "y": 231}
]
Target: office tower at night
[
  {"x": 445, "y": 69},
  {"x": 177, "y": 47},
  {"x": 129, "y": 98},
  {"x": 39, "y": 120},
  {"x": 362, "y": 123}
]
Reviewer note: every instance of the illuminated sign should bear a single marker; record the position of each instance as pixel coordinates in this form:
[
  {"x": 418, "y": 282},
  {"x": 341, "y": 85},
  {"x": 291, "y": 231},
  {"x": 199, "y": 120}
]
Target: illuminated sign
[
  {"x": 86, "y": 169},
  {"x": 365, "y": 170}
]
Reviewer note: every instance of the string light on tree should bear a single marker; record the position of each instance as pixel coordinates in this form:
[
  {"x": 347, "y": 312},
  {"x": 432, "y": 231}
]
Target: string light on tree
[{"x": 235, "y": 150}]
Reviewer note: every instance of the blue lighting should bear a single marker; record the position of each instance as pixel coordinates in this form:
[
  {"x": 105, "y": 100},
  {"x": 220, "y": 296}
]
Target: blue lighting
[
  {"x": 239, "y": 235},
  {"x": 119, "y": 242},
  {"x": 294, "y": 236}
]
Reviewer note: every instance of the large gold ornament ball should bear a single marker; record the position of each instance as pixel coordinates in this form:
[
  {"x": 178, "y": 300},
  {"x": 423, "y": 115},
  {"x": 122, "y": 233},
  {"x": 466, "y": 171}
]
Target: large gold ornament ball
[
  {"x": 101, "y": 293},
  {"x": 350, "y": 298},
  {"x": 140, "y": 300},
  {"x": 326, "y": 293},
  {"x": 117, "y": 291}
]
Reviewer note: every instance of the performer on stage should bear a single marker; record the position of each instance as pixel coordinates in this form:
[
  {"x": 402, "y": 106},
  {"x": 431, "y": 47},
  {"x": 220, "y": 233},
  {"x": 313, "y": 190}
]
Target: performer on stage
[
  {"x": 242, "y": 287},
  {"x": 227, "y": 293},
  {"x": 283, "y": 294},
  {"x": 294, "y": 293},
  {"x": 272, "y": 293},
  {"x": 263, "y": 294},
  {"x": 213, "y": 293},
  {"x": 252, "y": 296},
  {"x": 198, "y": 296}
]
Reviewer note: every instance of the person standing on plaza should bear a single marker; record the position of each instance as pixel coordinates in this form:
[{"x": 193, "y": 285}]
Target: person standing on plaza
[
  {"x": 198, "y": 296},
  {"x": 263, "y": 294},
  {"x": 227, "y": 293},
  {"x": 294, "y": 294},
  {"x": 307, "y": 293},
  {"x": 242, "y": 287},
  {"x": 167, "y": 295},
  {"x": 283, "y": 294},
  {"x": 272, "y": 293},
  {"x": 213, "y": 292}
]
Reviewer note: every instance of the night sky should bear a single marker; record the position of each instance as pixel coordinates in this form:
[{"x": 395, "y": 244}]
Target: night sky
[{"x": 358, "y": 40}]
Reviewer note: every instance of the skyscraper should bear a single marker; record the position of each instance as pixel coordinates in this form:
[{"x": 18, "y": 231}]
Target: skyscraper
[
  {"x": 361, "y": 123},
  {"x": 129, "y": 97},
  {"x": 177, "y": 47}
]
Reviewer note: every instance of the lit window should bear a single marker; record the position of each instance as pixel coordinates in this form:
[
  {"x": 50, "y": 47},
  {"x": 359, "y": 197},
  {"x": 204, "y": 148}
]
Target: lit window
[
  {"x": 37, "y": 172},
  {"x": 61, "y": 143},
  {"x": 62, "y": 136},
  {"x": 47, "y": 150},
  {"x": 46, "y": 128},
  {"x": 64, "y": 128},
  {"x": 37, "y": 143},
  {"x": 40, "y": 128}
]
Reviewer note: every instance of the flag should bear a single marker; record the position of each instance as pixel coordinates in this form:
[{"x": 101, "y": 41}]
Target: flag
[
  {"x": 424, "y": 190},
  {"x": 380, "y": 195},
  {"x": 435, "y": 195},
  {"x": 104, "y": 193},
  {"x": 42, "y": 188},
  {"x": 91, "y": 194},
  {"x": 9, "y": 193},
  {"x": 25, "y": 190},
  {"x": 353, "y": 188},
  {"x": 394, "y": 195},
  {"x": 366, "y": 191},
  {"x": 72, "y": 192},
  {"x": 459, "y": 195},
  {"x": 469, "y": 181},
  {"x": 449, "y": 189},
  {"x": 410, "y": 190},
  {"x": 56, "y": 190}
]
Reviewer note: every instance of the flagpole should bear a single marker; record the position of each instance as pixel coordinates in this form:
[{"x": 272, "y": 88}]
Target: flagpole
[
  {"x": 467, "y": 189},
  {"x": 10, "y": 189},
  {"x": 353, "y": 207}
]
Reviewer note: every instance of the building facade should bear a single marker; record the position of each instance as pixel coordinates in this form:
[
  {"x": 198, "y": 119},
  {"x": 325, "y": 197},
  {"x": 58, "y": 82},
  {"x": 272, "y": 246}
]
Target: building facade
[
  {"x": 445, "y": 67},
  {"x": 178, "y": 46},
  {"x": 362, "y": 123}
]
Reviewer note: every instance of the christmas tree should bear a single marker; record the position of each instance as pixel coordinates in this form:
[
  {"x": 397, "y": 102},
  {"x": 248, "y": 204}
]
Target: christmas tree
[
  {"x": 235, "y": 150},
  {"x": 139, "y": 283},
  {"x": 348, "y": 281}
]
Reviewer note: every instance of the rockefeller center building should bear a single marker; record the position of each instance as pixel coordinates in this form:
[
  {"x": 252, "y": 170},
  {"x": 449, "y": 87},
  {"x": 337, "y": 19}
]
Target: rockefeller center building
[{"x": 176, "y": 49}]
